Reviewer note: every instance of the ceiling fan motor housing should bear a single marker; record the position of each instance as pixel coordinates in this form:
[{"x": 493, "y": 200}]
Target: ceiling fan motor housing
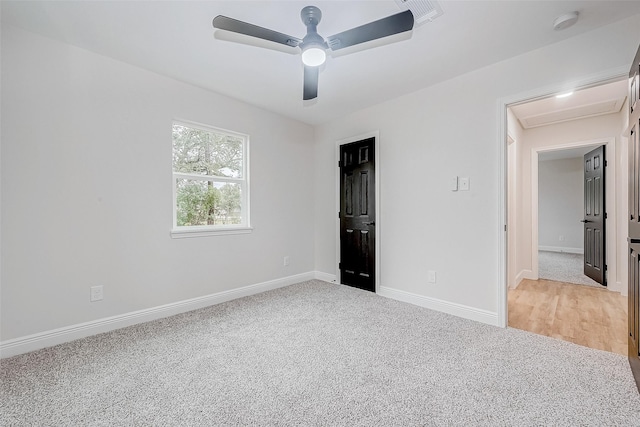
[{"x": 311, "y": 16}]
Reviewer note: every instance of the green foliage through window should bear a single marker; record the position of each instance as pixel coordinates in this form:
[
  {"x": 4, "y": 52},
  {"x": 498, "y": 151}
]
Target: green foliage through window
[
  {"x": 206, "y": 153},
  {"x": 209, "y": 177}
]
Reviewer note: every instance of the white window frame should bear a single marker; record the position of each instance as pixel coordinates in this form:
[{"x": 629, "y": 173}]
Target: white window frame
[{"x": 178, "y": 232}]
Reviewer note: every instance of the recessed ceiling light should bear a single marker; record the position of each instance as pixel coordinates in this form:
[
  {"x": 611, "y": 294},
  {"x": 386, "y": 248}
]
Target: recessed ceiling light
[
  {"x": 564, "y": 95},
  {"x": 565, "y": 21}
]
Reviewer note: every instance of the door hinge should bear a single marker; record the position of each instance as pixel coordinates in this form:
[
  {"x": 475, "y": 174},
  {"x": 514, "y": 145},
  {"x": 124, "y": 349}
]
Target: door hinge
[
  {"x": 338, "y": 214},
  {"x": 505, "y": 227},
  {"x": 339, "y": 163},
  {"x": 605, "y": 215},
  {"x": 606, "y": 163},
  {"x": 339, "y": 266}
]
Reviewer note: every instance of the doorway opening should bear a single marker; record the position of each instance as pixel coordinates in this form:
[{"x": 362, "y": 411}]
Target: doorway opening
[
  {"x": 562, "y": 211},
  {"x": 546, "y": 137}
]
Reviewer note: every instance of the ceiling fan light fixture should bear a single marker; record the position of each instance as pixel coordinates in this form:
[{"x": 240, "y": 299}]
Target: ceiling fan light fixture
[{"x": 313, "y": 55}]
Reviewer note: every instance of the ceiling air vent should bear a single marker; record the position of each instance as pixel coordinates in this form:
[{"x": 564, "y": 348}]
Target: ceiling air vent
[{"x": 423, "y": 10}]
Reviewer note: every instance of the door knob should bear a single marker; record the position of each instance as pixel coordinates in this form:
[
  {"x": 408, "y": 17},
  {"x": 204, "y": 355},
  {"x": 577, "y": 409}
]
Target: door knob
[
  {"x": 585, "y": 220},
  {"x": 369, "y": 223}
]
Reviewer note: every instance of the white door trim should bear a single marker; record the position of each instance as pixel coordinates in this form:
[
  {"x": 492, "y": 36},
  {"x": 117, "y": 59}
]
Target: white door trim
[
  {"x": 512, "y": 220},
  {"x": 503, "y": 103},
  {"x": 376, "y": 135}
]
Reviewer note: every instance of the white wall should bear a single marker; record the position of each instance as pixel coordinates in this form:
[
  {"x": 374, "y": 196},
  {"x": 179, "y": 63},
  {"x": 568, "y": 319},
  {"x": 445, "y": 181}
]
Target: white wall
[
  {"x": 86, "y": 190},
  {"x": 622, "y": 222},
  {"x": 514, "y": 131},
  {"x": 560, "y": 204},
  {"x": 439, "y": 132}
]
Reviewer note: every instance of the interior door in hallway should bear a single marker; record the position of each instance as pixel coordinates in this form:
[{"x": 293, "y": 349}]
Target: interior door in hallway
[
  {"x": 594, "y": 215},
  {"x": 357, "y": 214}
]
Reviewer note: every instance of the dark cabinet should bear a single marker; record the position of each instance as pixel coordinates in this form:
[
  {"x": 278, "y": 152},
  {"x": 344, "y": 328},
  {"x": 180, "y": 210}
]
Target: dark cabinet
[
  {"x": 634, "y": 303},
  {"x": 634, "y": 180},
  {"x": 634, "y": 218}
]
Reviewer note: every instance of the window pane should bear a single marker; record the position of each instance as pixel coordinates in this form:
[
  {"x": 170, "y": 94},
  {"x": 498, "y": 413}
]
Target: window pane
[
  {"x": 206, "y": 152},
  {"x": 207, "y": 203}
]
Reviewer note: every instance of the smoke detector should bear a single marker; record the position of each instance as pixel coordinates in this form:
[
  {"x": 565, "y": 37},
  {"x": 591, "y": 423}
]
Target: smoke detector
[
  {"x": 565, "y": 21},
  {"x": 423, "y": 10}
]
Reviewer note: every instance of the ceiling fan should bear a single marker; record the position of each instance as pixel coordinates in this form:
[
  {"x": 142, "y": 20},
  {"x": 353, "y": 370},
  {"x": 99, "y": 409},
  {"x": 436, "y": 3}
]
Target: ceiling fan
[{"x": 313, "y": 46}]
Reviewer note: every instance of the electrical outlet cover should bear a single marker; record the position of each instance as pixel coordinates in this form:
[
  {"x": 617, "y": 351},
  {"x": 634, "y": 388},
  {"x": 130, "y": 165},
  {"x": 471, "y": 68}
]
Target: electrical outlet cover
[{"x": 96, "y": 293}]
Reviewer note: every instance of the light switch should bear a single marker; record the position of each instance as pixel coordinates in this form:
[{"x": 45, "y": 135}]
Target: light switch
[
  {"x": 431, "y": 276},
  {"x": 464, "y": 184},
  {"x": 454, "y": 183}
]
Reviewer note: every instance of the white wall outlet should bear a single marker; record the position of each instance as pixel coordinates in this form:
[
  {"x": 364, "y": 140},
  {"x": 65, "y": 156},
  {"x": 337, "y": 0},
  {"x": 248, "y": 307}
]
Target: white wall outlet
[
  {"x": 96, "y": 293},
  {"x": 431, "y": 276},
  {"x": 464, "y": 184},
  {"x": 287, "y": 261},
  {"x": 561, "y": 238},
  {"x": 454, "y": 183}
]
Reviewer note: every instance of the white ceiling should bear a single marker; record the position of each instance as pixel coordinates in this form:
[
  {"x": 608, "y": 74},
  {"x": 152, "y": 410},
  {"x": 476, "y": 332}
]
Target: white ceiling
[
  {"x": 567, "y": 153},
  {"x": 590, "y": 102},
  {"x": 176, "y": 39}
]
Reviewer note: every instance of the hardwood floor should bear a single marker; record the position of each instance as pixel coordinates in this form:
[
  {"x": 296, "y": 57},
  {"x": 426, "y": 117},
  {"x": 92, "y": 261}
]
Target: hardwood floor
[{"x": 587, "y": 316}]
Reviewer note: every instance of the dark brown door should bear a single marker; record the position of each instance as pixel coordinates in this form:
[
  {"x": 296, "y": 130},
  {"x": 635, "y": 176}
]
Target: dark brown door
[
  {"x": 594, "y": 215},
  {"x": 358, "y": 215},
  {"x": 634, "y": 219}
]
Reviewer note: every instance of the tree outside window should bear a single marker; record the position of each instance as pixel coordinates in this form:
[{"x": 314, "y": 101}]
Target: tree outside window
[{"x": 210, "y": 177}]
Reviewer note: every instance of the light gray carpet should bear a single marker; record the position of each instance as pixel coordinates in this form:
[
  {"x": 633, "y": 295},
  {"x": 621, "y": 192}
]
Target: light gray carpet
[
  {"x": 564, "y": 267},
  {"x": 317, "y": 354}
]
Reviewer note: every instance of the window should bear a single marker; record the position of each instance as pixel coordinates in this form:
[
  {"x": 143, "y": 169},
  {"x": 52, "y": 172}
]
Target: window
[{"x": 210, "y": 181}]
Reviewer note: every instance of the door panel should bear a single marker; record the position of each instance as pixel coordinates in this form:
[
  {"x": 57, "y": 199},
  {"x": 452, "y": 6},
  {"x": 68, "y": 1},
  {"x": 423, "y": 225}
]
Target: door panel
[
  {"x": 594, "y": 215},
  {"x": 357, "y": 214},
  {"x": 348, "y": 193}
]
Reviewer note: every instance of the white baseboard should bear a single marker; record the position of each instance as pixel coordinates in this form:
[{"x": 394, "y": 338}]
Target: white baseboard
[
  {"x": 325, "y": 277},
  {"x": 561, "y": 249},
  {"x": 524, "y": 274},
  {"x": 455, "y": 309},
  {"x": 620, "y": 287},
  {"x": 69, "y": 333},
  {"x": 515, "y": 283}
]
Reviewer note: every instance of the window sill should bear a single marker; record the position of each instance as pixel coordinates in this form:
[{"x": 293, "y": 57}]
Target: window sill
[{"x": 178, "y": 233}]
